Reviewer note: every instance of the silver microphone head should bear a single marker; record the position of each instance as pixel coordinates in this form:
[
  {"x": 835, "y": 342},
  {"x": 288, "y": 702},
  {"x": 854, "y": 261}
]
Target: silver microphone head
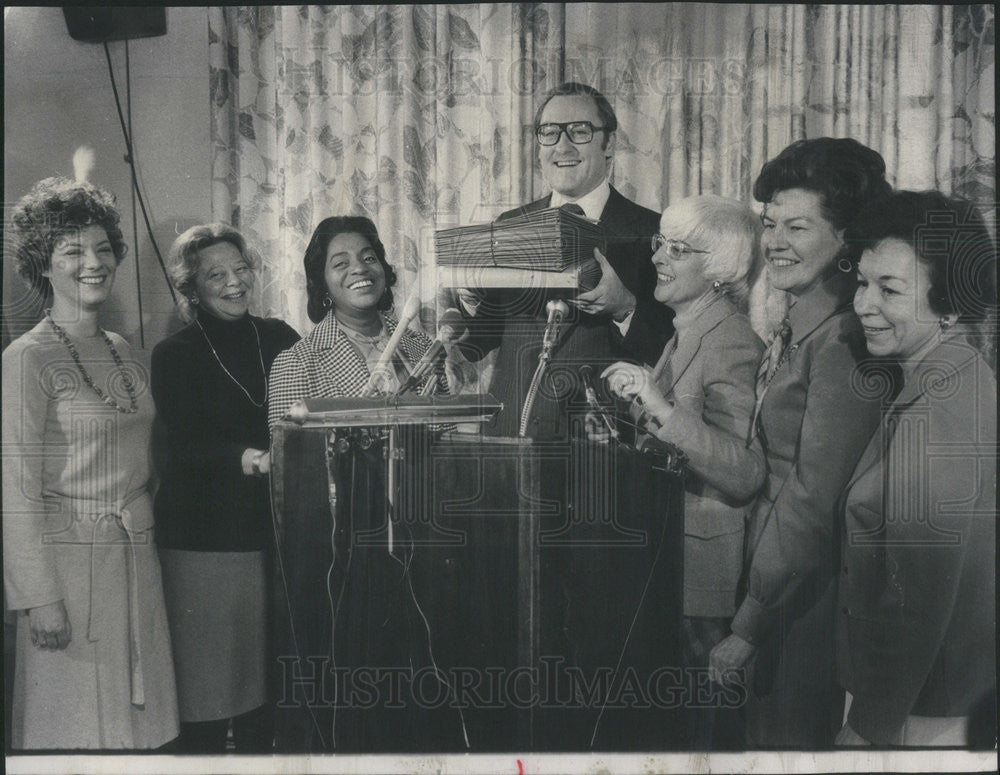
[{"x": 556, "y": 309}]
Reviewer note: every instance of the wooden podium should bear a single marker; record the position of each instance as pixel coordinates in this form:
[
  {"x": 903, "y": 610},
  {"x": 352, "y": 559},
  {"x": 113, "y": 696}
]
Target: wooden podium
[{"x": 489, "y": 594}]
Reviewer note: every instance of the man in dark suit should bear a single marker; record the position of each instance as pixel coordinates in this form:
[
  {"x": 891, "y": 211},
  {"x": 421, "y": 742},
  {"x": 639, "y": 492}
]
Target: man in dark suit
[{"x": 619, "y": 318}]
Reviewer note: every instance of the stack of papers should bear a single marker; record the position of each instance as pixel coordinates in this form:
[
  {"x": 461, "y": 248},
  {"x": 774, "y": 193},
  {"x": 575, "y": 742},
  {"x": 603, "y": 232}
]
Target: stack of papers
[{"x": 551, "y": 240}]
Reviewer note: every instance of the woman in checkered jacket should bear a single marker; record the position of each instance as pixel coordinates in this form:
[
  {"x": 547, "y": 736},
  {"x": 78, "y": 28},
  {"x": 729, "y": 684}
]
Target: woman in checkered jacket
[
  {"x": 374, "y": 617},
  {"x": 349, "y": 287}
]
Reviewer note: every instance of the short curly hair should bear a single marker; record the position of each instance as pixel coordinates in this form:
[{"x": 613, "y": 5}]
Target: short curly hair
[
  {"x": 846, "y": 174},
  {"x": 314, "y": 260},
  {"x": 184, "y": 258},
  {"x": 55, "y": 207},
  {"x": 948, "y": 236}
]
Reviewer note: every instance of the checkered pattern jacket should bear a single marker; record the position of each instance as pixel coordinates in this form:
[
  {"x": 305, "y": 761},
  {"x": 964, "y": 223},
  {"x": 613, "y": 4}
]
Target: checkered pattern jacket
[{"x": 326, "y": 365}]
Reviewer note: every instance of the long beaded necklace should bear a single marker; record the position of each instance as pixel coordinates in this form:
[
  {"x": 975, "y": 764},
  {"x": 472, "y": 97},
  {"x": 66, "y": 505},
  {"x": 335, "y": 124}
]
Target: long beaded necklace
[
  {"x": 126, "y": 379},
  {"x": 260, "y": 354}
]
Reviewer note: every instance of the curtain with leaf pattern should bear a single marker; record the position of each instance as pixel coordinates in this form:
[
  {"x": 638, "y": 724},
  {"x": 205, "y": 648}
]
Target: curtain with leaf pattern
[{"x": 421, "y": 116}]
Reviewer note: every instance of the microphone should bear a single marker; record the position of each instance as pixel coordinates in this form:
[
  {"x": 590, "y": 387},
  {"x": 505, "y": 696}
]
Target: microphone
[
  {"x": 557, "y": 310},
  {"x": 450, "y": 327},
  {"x": 590, "y": 391},
  {"x": 410, "y": 310}
]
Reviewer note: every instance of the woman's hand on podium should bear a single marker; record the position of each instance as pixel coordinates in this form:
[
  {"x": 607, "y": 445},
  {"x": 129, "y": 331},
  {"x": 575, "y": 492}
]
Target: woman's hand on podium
[
  {"x": 595, "y": 428},
  {"x": 255, "y": 462},
  {"x": 635, "y": 383}
]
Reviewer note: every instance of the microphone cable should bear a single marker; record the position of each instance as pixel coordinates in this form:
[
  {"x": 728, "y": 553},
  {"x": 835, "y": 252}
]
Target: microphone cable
[
  {"x": 130, "y": 158},
  {"x": 406, "y": 541}
]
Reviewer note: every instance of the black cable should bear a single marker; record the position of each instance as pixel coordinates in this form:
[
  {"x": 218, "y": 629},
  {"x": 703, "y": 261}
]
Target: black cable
[
  {"x": 135, "y": 183},
  {"x": 135, "y": 230}
]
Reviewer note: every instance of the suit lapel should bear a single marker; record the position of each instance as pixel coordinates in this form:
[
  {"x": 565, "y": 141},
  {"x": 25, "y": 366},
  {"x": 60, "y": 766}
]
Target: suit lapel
[
  {"x": 616, "y": 216},
  {"x": 532, "y": 207},
  {"x": 870, "y": 457},
  {"x": 945, "y": 361},
  {"x": 687, "y": 347},
  {"x": 341, "y": 369},
  {"x": 689, "y": 342}
]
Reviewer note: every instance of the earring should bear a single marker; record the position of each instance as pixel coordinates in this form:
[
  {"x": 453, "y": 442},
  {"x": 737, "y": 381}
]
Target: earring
[
  {"x": 945, "y": 322},
  {"x": 327, "y": 302},
  {"x": 717, "y": 286},
  {"x": 845, "y": 265},
  {"x": 194, "y": 300}
]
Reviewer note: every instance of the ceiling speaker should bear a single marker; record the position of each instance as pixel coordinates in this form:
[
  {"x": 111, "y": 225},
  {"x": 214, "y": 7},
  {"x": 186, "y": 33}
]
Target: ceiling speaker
[{"x": 100, "y": 24}]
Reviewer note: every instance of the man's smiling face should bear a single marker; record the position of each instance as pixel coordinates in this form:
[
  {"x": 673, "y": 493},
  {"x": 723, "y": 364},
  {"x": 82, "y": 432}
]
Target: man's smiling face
[{"x": 575, "y": 170}]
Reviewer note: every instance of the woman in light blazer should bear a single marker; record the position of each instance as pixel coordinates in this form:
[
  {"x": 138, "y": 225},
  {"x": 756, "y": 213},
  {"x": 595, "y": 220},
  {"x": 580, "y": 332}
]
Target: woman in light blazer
[
  {"x": 916, "y": 623},
  {"x": 700, "y": 397},
  {"x": 813, "y": 427}
]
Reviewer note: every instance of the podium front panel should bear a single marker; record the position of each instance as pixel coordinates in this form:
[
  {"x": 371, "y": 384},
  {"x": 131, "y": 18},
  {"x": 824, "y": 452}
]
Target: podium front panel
[{"x": 509, "y": 596}]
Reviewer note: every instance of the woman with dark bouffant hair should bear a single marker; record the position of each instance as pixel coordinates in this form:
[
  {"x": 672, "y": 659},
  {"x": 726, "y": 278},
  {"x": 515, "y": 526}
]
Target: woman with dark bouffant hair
[
  {"x": 916, "y": 624},
  {"x": 349, "y": 289},
  {"x": 213, "y": 510},
  {"x": 93, "y": 667},
  {"x": 813, "y": 423}
]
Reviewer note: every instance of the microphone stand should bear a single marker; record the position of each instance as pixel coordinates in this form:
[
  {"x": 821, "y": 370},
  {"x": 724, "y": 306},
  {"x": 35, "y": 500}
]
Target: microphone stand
[
  {"x": 536, "y": 381},
  {"x": 557, "y": 309},
  {"x": 393, "y": 453}
]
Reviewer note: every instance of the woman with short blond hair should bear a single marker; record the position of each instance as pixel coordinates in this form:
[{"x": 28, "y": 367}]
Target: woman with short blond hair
[{"x": 700, "y": 398}]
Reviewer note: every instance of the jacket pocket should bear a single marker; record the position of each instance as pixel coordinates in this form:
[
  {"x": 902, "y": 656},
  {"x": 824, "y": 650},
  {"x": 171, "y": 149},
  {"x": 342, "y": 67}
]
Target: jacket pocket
[{"x": 707, "y": 518}]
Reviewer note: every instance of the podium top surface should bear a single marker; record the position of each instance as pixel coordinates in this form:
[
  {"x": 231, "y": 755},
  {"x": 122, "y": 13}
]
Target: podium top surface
[{"x": 392, "y": 410}]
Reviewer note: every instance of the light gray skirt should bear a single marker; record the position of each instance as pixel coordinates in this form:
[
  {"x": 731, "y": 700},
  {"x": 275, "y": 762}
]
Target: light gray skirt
[{"x": 217, "y": 610}]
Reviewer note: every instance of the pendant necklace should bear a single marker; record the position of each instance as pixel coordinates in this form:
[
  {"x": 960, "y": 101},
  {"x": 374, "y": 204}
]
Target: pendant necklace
[{"x": 260, "y": 355}]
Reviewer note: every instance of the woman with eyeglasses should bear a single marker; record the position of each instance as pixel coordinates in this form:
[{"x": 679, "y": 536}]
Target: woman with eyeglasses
[
  {"x": 700, "y": 398},
  {"x": 813, "y": 422},
  {"x": 213, "y": 509}
]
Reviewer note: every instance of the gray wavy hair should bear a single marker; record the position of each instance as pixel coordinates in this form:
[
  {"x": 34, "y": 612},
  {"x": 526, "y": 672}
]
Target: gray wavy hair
[{"x": 184, "y": 257}]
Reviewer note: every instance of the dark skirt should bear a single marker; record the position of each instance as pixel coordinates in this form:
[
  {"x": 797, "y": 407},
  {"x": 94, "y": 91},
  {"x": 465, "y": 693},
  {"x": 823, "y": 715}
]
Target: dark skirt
[{"x": 217, "y": 609}]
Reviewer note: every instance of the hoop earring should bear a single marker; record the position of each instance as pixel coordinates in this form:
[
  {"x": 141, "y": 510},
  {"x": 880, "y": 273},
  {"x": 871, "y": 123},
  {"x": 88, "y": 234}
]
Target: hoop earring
[
  {"x": 327, "y": 302},
  {"x": 845, "y": 265}
]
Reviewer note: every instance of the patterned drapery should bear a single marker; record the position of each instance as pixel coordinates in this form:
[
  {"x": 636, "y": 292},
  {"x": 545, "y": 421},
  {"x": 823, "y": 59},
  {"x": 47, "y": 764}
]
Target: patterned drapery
[{"x": 420, "y": 116}]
